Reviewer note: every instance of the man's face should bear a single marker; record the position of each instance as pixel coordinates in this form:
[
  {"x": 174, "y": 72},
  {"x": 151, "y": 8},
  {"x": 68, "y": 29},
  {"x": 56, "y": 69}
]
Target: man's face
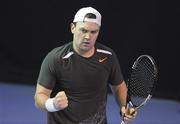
[{"x": 84, "y": 36}]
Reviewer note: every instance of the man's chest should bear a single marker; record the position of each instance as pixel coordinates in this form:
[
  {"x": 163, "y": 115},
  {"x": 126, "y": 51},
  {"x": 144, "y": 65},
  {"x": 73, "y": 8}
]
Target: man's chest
[{"x": 78, "y": 74}]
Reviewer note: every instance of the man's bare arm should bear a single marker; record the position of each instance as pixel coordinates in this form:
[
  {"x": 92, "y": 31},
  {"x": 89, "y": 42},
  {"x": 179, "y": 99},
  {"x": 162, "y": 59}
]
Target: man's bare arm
[
  {"x": 120, "y": 92},
  {"x": 41, "y": 95}
]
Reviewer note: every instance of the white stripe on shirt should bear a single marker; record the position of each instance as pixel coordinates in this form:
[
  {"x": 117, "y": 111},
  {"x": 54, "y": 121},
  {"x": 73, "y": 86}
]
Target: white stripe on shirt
[
  {"x": 104, "y": 51},
  {"x": 68, "y": 55}
]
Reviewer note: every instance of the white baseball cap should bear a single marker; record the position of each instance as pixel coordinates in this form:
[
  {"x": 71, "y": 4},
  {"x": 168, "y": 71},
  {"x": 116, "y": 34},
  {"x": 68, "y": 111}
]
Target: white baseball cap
[{"x": 80, "y": 15}]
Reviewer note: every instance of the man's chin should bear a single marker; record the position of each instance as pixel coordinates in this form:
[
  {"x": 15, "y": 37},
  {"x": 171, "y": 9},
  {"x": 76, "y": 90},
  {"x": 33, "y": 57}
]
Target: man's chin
[{"x": 85, "y": 48}]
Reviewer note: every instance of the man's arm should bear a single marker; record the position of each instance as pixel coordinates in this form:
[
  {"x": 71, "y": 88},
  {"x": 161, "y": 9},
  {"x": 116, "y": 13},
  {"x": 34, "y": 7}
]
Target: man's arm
[
  {"x": 41, "y": 96},
  {"x": 120, "y": 92},
  {"x": 44, "y": 102}
]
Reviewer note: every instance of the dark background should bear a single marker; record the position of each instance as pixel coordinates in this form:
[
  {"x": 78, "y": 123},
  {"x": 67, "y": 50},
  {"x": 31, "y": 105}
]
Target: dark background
[{"x": 31, "y": 28}]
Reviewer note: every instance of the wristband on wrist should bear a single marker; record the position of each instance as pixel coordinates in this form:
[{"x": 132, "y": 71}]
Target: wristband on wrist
[{"x": 49, "y": 104}]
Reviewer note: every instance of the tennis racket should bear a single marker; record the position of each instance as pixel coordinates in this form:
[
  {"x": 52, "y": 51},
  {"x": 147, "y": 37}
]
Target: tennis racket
[{"x": 141, "y": 82}]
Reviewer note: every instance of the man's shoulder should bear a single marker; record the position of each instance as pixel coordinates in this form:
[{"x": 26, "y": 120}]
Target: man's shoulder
[{"x": 61, "y": 49}]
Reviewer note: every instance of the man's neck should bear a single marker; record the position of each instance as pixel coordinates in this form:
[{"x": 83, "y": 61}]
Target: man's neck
[{"x": 86, "y": 54}]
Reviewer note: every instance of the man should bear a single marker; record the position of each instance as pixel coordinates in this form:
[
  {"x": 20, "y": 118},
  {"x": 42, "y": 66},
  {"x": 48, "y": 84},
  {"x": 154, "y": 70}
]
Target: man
[{"x": 74, "y": 78}]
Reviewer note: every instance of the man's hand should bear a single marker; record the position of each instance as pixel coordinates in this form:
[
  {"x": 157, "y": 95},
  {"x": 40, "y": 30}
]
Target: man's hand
[
  {"x": 60, "y": 101},
  {"x": 128, "y": 114}
]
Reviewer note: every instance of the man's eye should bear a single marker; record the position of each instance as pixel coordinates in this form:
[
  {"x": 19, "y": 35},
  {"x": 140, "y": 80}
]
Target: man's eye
[
  {"x": 84, "y": 31},
  {"x": 94, "y": 32}
]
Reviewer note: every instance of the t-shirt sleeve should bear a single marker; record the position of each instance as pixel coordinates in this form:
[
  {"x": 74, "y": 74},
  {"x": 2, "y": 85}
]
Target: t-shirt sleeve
[
  {"x": 116, "y": 76},
  {"x": 47, "y": 76}
]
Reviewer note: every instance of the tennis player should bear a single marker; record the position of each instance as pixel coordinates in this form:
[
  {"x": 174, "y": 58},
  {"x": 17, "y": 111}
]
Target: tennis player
[{"x": 73, "y": 81}]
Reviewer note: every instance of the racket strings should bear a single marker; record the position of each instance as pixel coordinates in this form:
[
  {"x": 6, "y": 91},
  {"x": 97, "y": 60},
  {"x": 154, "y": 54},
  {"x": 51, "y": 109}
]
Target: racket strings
[{"x": 141, "y": 80}]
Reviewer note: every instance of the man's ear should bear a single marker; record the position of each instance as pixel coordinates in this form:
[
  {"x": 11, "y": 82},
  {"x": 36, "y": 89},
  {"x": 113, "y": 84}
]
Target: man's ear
[{"x": 72, "y": 26}]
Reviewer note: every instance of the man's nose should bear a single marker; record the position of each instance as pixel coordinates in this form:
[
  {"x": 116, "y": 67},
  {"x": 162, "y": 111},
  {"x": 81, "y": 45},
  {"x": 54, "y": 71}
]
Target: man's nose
[{"x": 88, "y": 35}]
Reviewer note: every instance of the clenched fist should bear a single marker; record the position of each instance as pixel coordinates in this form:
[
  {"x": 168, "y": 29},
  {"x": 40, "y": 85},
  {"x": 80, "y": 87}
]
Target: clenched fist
[{"x": 60, "y": 100}]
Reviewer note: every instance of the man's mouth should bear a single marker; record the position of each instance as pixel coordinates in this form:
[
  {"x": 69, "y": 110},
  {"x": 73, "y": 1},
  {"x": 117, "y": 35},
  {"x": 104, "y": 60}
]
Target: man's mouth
[{"x": 85, "y": 43}]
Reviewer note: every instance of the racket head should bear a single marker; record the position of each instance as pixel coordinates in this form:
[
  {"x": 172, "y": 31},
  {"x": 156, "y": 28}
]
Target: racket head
[{"x": 142, "y": 80}]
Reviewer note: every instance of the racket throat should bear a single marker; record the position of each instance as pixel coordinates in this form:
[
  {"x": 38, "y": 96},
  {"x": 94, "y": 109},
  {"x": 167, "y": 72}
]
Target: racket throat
[{"x": 145, "y": 101}]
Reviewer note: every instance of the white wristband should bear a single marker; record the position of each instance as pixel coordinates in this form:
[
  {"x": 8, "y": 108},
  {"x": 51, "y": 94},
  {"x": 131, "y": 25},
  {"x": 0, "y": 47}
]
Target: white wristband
[{"x": 50, "y": 105}]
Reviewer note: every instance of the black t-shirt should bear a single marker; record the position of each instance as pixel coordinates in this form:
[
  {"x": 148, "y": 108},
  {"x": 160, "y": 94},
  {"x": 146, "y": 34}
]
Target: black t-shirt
[{"x": 84, "y": 80}]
